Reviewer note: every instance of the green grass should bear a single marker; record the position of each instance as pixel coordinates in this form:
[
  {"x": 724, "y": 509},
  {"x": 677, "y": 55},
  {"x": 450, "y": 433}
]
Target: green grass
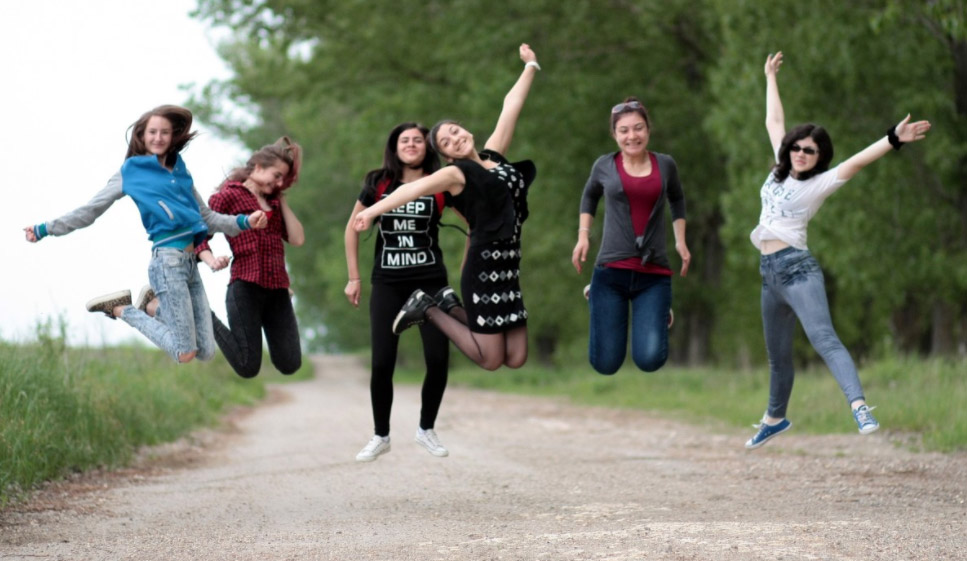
[
  {"x": 66, "y": 410},
  {"x": 920, "y": 402}
]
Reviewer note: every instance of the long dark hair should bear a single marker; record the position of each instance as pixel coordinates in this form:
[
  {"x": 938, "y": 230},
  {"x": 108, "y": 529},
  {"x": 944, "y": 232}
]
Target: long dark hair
[
  {"x": 783, "y": 166},
  {"x": 392, "y": 168},
  {"x": 181, "y": 133},
  {"x": 282, "y": 150}
]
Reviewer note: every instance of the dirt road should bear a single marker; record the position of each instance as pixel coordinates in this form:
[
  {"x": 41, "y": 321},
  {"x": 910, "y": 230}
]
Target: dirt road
[{"x": 526, "y": 479}]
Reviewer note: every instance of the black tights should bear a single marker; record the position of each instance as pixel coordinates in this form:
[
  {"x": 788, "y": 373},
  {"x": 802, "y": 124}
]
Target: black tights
[
  {"x": 385, "y": 302},
  {"x": 489, "y": 350},
  {"x": 253, "y": 309}
]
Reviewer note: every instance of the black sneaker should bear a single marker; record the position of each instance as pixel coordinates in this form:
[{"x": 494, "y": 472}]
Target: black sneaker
[
  {"x": 413, "y": 311},
  {"x": 446, "y": 299}
]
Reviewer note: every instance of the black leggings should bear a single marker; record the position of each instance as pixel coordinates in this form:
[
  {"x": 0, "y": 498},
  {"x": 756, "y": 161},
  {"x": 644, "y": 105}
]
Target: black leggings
[
  {"x": 384, "y": 303},
  {"x": 252, "y": 309}
]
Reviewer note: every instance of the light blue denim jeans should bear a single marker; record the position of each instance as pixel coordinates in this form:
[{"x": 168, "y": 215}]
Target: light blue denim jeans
[
  {"x": 649, "y": 297},
  {"x": 183, "y": 323},
  {"x": 793, "y": 287}
]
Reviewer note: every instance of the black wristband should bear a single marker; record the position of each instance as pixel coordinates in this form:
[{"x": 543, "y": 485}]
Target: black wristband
[{"x": 893, "y": 138}]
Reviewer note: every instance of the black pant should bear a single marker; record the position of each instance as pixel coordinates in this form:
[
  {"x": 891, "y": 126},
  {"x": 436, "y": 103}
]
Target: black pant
[
  {"x": 384, "y": 303},
  {"x": 252, "y": 309}
]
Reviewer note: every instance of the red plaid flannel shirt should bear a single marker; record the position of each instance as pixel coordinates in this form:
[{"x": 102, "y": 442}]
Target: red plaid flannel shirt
[{"x": 258, "y": 255}]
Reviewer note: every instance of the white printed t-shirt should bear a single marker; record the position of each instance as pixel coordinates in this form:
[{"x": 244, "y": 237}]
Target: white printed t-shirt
[{"x": 787, "y": 207}]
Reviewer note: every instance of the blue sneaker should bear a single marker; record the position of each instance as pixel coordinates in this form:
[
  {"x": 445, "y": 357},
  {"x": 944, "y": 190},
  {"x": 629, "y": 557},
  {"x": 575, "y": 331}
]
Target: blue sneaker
[
  {"x": 766, "y": 432},
  {"x": 865, "y": 420}
]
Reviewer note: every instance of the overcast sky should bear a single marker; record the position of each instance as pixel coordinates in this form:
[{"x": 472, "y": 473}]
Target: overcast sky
[{"x": 75, "y": 75}]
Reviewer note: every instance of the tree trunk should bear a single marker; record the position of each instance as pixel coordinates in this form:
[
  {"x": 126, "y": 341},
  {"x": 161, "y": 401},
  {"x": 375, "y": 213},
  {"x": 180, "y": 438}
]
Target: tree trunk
[
  {"x": 942, "y": 341},
  {"x": 907, "y": 327}
]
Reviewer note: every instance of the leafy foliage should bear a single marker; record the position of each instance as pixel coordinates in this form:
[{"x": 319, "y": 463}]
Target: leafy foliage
[{"x": 338, "y": 75}]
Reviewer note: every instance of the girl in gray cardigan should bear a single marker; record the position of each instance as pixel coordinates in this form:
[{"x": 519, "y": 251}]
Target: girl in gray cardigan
[{"x": 632, "y": 266}]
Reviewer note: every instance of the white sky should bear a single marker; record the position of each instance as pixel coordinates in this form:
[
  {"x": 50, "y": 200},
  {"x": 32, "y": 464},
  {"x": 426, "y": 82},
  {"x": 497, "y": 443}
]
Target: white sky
[{"x": 73, "y": 77}]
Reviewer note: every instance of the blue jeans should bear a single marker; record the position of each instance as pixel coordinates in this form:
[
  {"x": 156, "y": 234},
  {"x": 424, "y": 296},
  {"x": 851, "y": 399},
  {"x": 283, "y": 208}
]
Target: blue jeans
[
  {"x": 183, "y": 323},
  {"x": 650, "y": 296},
  {"x": 793, "y": 287}
]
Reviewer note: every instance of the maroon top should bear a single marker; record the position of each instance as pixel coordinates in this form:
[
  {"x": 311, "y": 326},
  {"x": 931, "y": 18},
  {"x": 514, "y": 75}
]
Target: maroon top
[
  {"x": 258, "y": 255},
  {"x": 642, "y": 193}
]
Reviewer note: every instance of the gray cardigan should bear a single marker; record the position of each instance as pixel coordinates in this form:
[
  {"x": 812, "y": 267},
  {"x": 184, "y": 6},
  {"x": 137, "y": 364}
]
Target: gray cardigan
[{"x": 618, "y": 239}]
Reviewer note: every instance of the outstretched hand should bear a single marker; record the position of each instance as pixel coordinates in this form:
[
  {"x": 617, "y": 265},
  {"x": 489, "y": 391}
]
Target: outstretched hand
[
  {"x": 773, "y": 62},
  {"x": 526, "y": 54},
  {"x": 912, "y": 132}
]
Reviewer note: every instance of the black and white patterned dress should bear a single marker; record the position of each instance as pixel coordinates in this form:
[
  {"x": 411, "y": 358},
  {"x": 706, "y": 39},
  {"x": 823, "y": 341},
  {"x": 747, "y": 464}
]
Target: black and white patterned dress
[{"x": 494, "y": 201}]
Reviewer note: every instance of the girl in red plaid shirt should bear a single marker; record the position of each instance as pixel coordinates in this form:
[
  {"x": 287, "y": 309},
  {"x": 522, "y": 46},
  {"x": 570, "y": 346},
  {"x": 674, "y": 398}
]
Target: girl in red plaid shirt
[{"x": 258, "y": 298}]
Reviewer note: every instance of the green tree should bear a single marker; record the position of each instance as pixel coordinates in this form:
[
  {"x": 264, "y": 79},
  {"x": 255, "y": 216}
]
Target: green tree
[
  {"x": 338, "y": 75},
  {"x": 892, "y": 240}
]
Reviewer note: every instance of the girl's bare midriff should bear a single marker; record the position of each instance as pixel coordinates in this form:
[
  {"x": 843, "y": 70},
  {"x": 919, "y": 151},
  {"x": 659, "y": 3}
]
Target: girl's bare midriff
[{"x": 771, "y": 246}]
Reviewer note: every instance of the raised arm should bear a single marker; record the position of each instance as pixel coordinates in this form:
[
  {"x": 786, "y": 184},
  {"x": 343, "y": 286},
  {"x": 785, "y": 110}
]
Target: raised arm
[
  {"x": 775, "y": 118},
  {"x": 503, "y": 133},
  {"x": 449, "y": 179},
  {"x": 294, "y": 230},
  {"x": 905, "y": 132}
]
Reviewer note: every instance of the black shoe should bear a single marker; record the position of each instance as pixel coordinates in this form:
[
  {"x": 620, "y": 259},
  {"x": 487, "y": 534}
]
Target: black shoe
[
  {"x": 413, "y": 311},
  {"x": 447, "y": 299}
]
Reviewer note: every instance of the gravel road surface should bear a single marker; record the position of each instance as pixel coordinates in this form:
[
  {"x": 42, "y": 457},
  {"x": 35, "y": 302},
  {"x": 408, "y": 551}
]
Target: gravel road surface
[{"x": 527, "y": 479}]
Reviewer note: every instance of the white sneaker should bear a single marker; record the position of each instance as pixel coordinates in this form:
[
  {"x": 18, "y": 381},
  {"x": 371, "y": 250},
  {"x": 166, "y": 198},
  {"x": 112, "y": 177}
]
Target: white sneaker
[
  {"x": 429, "y": 440},
  {"x": 374, "y": 448}
]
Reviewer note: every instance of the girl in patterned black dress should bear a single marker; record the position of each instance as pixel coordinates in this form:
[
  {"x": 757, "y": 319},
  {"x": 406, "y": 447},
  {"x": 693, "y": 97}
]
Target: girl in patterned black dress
[{"x": 491, "y": 193}]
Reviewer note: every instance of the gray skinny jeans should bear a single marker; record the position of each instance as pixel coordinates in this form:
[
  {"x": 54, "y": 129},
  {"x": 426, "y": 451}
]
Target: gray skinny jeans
[{"x": 793, "y": 288}]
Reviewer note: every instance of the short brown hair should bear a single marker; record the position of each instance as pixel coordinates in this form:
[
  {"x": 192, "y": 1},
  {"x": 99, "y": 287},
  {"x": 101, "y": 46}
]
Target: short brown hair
[{"x": 630, "y": 105}]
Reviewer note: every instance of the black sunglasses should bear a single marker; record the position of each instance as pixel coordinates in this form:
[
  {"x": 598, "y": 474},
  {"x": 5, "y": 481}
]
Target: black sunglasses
[{"x": 808, "y": 150}]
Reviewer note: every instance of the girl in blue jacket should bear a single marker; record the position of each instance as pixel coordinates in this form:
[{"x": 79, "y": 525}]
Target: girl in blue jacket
[{"x": 175, "y": 218}]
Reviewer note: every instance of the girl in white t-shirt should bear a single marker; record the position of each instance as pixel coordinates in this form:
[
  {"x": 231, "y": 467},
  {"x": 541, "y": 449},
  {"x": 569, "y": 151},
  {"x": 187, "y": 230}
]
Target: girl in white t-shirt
[{"x": 792, "y": 281}]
